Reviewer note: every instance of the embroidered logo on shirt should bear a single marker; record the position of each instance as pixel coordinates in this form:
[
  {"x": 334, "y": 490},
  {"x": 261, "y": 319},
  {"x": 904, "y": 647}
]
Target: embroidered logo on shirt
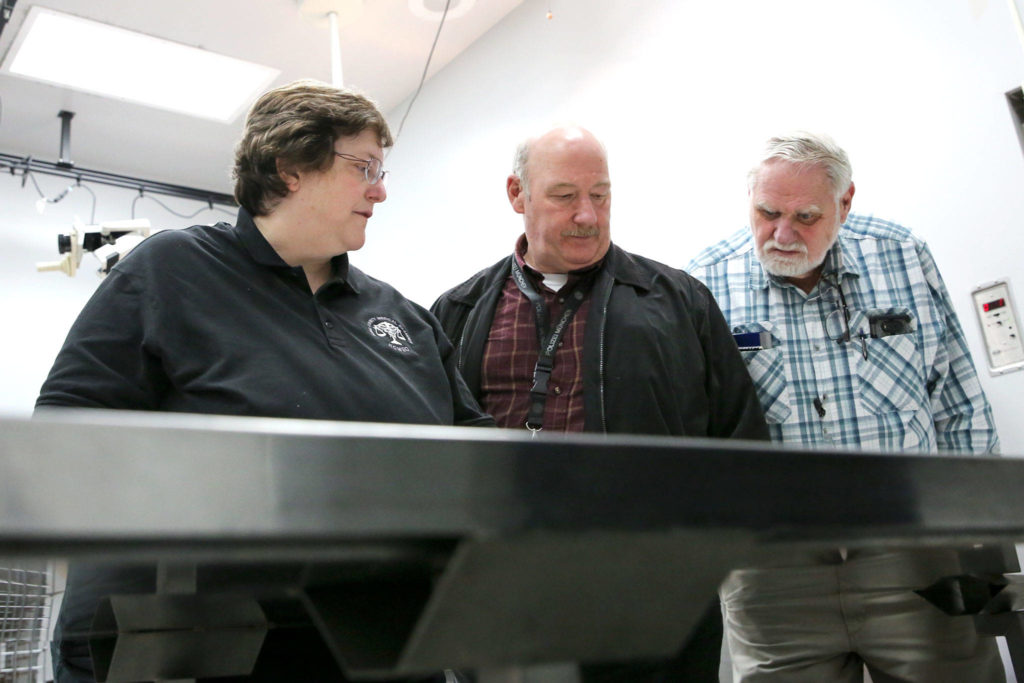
[{"x": 392, "y": 330}]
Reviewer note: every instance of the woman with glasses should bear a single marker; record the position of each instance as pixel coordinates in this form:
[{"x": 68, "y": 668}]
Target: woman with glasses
[{"x": 265, "y": 317}]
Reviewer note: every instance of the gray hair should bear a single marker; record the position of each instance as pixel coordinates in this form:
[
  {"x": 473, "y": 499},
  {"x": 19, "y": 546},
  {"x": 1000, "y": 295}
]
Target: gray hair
[
  {"x": 519, "y": 164},
  {"x": 810, "y": 149}
]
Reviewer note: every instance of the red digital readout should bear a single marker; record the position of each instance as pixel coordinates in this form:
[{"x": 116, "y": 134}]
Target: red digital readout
[{"x": 992, "y": 305}]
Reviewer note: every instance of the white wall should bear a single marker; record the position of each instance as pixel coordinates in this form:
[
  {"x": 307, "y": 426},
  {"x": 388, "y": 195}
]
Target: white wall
[
  {"x": 682, "y": 93},
  {"x": 37, "y": 309}
]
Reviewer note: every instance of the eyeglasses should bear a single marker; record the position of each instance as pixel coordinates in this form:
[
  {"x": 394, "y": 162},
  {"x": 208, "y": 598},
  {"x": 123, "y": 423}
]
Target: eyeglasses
[
  {"x": 837, "y": 324},
  {"x": 373, "y": 170}
]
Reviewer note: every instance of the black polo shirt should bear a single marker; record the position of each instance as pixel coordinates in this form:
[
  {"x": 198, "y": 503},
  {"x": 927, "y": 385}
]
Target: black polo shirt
[{"x": 209, "y": 319}]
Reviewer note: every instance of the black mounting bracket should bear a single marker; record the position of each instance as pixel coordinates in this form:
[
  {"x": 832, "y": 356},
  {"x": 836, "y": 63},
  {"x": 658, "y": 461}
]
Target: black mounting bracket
[
  {"x": 65, "y": 139},
  {"x": 6, "y": 9}
]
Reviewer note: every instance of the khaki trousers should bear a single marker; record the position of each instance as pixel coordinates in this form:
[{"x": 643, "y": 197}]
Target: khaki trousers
[{"x": 824, "y": 617}]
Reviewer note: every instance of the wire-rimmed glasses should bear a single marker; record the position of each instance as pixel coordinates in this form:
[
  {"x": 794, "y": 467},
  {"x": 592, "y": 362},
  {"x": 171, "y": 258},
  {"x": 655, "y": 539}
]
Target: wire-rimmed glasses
[
  {"x": 373, "y": 170},
  {"x": 837, "y": 323}
]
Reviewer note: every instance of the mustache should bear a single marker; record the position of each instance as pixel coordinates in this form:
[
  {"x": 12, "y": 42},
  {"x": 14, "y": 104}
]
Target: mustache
[
  {"x": 581, "y": 232},
  {"x": 799, "y": 247}
]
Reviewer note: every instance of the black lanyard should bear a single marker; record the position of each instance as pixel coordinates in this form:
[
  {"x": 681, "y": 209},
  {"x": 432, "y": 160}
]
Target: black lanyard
[{"x": 548, "y": 339}]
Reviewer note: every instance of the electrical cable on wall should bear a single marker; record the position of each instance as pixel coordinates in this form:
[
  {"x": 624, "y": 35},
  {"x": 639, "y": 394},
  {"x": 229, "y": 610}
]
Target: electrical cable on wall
[
  {"x": 426, "y": 67},
  {"x": 209, "y": 207},
  {"x": 44, "y": 200}
]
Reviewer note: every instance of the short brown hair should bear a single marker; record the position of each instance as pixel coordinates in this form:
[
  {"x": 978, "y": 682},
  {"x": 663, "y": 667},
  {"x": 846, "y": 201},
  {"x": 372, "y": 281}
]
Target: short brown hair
[{"x": 297, "y": 123}]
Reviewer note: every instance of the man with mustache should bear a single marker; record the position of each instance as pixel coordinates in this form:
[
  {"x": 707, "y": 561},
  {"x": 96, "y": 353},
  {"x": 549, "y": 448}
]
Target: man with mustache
[
  {"x": 572, "y": 334},
  {"x": 850, "y": 336}
]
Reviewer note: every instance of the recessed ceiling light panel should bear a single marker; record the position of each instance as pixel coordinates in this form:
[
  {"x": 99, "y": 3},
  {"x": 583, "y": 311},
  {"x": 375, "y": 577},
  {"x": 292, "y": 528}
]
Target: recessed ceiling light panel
[{"x": 86, "y": 55}]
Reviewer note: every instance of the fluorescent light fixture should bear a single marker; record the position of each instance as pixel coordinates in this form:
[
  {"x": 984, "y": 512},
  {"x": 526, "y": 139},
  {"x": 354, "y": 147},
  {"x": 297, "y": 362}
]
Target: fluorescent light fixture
[{"x": 105, "y": 60}]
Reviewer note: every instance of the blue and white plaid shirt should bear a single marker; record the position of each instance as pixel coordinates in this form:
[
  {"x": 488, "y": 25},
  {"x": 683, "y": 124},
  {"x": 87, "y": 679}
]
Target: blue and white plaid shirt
[{"x": 916, "y": 391}]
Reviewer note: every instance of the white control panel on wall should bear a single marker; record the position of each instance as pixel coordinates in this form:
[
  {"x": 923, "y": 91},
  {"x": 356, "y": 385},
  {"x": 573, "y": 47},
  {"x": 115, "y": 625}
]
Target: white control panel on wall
[{"x": 999, "y": 326}]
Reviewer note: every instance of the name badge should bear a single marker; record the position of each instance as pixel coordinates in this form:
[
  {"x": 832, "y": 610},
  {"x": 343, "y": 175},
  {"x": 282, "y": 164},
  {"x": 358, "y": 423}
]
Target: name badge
[{"x": 753, "y": 341}]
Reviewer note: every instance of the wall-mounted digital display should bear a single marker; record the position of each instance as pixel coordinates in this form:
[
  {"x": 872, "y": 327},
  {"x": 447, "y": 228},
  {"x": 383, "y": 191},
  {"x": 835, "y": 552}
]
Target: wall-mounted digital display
[{"x": 993, "y": 305}]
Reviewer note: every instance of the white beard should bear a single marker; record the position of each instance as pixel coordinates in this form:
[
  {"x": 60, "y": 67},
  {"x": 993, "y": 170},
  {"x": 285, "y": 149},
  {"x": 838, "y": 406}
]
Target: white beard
[
  {"x": 794, "y": 263},
  {"x": 793, "y": 260}
]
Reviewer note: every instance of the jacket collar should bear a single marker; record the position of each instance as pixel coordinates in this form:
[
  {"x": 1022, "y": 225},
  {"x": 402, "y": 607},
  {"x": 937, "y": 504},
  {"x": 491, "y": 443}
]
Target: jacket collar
[
  {"x": 623, "y": 266},
  {"x": 619, "y": 264}
]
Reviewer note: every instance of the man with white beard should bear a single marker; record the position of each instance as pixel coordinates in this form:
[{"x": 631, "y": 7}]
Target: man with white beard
[{"x": 852, "y": 342}]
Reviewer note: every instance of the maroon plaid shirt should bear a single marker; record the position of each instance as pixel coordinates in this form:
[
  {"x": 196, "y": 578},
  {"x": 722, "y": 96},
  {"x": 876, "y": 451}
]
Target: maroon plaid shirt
[{"x": 511, "y": 353}]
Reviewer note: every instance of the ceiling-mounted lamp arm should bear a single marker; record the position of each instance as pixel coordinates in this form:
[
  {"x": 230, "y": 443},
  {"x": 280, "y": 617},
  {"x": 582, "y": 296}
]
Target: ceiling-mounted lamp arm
[
  {"x": 65, "y": 139},
  {"x": 337, "y": 76},
  {"x": 339, "y": 13}
]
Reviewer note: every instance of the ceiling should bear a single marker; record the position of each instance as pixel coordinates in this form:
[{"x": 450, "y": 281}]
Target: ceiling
[{"x": 384, "y": 49}]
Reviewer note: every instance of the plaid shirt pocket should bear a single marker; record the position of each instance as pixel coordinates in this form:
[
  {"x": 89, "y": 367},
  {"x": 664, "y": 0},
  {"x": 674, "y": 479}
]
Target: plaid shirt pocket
[
  {"x": 890, "y": 377},
  {"x": 768, "y": 370}
]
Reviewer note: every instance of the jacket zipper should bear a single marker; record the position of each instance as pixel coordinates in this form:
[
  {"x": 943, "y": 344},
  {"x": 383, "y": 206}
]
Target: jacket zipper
[
  {"x": 600, "y": 367},
  {"x": 462, "y": 342}
]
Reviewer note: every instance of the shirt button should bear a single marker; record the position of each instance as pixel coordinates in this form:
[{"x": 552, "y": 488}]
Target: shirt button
[
  {"x": 817, "y": 347},
  {"x": 558, "y": 390},
  {"x": 328, "y": 324}
]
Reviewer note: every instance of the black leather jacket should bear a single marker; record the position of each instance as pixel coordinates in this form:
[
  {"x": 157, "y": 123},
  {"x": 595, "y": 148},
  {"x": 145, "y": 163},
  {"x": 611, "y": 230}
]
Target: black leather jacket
[{"x": 658, "y": 356}]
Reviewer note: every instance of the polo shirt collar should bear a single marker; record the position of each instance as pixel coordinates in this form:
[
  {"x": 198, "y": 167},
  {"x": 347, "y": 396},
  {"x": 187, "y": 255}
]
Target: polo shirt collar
[{"x": 265, "y": 255}]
